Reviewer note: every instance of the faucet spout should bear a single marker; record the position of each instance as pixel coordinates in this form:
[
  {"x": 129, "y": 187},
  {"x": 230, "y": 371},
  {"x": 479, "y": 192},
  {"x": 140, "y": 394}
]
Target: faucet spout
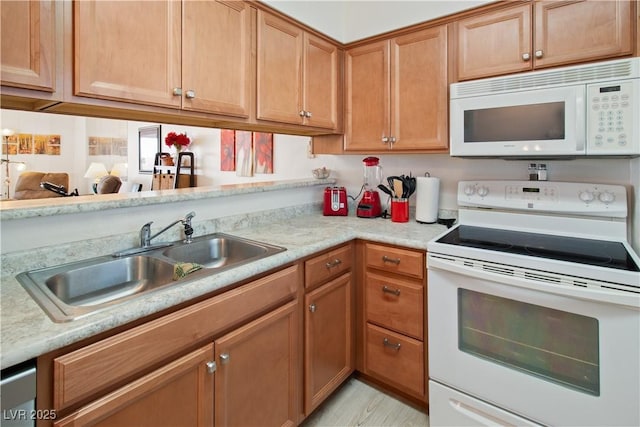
[{"x": 145, "y": 231}]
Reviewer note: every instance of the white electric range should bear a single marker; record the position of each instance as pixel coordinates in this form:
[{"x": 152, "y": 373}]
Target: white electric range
[{"x": 534, "y": 308}]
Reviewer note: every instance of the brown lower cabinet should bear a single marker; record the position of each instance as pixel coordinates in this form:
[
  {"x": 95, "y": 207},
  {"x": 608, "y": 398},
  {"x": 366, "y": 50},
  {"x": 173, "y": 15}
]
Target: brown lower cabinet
[
  {"x": 392, "y": 319},
  {"x": 329, "y": 324},
  {"x": 179, "y": 393},
  {"x": 267, "y": 352}
]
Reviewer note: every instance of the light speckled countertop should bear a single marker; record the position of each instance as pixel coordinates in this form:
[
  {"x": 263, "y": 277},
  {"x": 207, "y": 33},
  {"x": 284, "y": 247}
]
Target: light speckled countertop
[{"x": 26, "y": 331}]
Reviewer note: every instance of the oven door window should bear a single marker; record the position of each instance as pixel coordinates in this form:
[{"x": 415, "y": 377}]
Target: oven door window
[{"x": 554, "y": 345}]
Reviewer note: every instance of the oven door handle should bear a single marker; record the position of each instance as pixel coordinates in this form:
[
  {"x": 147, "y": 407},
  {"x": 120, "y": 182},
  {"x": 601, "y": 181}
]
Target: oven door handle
[{"x": 505, "y": 275}]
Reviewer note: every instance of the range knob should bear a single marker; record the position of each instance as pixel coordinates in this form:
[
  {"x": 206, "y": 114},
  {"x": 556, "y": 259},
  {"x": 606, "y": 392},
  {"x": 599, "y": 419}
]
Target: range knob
[
  {"x": 483, "y": 191},
  {"x": 587, "y": 196},
  {"x": 607, "y": 197},
  {"x": 469, "y": 190}
]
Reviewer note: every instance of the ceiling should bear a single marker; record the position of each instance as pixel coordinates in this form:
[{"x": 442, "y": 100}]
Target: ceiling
[{"x": 350, "y": 20}]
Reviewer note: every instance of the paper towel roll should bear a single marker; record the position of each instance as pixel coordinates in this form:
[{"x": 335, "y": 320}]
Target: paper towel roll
[{"x": 427, "y": 195}]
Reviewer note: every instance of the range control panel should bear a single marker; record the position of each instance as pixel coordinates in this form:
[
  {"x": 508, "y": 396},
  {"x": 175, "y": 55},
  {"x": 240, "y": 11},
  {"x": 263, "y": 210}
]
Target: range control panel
[{"x": 545, "y": 196}]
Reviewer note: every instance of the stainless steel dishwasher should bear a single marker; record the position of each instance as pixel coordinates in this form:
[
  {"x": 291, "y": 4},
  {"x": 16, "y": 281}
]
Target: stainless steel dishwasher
[{"x": 18, "y": 395}]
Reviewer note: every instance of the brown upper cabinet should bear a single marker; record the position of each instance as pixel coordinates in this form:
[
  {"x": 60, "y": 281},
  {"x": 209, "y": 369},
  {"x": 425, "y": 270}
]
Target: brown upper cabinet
[
  {"x": 396, "y": 93},
  {"x": 298, "y": 74},
  {"x": 189, "y": 55},
  {"x": 542, "y": 34},
  {"x": 28, "y": 44}
]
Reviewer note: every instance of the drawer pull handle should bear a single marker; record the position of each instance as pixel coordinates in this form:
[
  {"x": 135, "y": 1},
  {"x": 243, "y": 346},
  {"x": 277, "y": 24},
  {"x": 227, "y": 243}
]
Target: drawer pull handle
[
  {"x": 388, "y": 290},
  {"x": 336, "y": 262},
  {"x": 387, "y": 343},
  {"x": 395, "y": 261}
]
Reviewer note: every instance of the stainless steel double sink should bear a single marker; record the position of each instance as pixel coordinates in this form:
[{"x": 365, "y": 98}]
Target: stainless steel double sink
[{"x": 74, "y": 290}]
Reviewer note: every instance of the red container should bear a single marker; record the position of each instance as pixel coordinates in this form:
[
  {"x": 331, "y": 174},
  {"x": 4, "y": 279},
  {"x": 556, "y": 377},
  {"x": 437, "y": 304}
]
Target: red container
[
  {"x": 400, "y": 210},
  {"x": 335, "y": 202}
]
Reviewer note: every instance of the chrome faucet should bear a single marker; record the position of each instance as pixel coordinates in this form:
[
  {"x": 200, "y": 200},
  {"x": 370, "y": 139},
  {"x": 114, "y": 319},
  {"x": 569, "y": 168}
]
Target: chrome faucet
[
  {"x": 146, "y": 237},
  {"x": 145, "y": 231}
]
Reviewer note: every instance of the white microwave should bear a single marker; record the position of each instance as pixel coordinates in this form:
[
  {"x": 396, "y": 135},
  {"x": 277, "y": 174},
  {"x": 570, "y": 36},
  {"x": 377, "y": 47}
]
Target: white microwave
[{"x": 584, "y": 110}]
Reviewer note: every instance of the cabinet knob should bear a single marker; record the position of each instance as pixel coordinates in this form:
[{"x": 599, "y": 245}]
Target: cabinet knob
[
  {"x": 177, "y": 91},
  {"x": 526, "y": 56},
  {"x": 392, "y": 140},
  {"x": 388, "y": 290},
  {"x": 302, "y": 113},
  {"x": 385, "y": 139},
  {"x": 211, "y": 367},
  {"x": 190, "y": 94},
  {"x": 389, "y": 344},
  {"x": 539, "y": 54},
  {"x": 307, "y": 114},
  {"x": 224, "y": 358},
  {"x": 312, "y": 307}
]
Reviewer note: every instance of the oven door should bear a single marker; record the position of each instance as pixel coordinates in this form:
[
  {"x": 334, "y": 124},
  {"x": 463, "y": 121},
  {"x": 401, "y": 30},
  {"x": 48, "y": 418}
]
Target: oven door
[{"x": 552, "y": 359}]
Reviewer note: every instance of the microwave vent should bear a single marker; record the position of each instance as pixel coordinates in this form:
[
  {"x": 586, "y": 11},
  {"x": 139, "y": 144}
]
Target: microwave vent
[{"x": 582, "y": 74}]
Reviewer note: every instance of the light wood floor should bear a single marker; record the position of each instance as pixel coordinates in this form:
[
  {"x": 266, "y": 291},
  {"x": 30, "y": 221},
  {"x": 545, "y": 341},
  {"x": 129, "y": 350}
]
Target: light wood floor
[{"x": 358, "y": 404}]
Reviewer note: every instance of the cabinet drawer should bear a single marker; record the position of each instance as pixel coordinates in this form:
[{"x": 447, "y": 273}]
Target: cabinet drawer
[
  {"x": 395, "y": 260},
  {"x": 395, "y": 304},
  {"x": 87, "y": 371},
  {"x": 330, "y": 264},
  {"x": 399, "y": 360}
]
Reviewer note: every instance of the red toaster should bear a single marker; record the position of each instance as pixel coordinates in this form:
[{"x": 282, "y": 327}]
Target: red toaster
[{"x": 335, "y": 202}]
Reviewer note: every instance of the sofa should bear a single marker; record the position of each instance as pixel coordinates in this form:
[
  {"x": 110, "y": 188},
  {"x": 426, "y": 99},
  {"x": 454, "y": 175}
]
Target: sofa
[{"x": 28, "y": 185}]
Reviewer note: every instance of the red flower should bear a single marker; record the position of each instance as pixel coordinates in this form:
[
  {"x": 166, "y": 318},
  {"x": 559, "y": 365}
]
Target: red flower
[{"x": 177, "y": 140}]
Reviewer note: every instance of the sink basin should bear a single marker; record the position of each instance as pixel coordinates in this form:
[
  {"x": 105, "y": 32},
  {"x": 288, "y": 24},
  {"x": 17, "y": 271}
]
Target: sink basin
[
  {"x": 71, "y": 290},
  {"x": 220, "y": 251}
]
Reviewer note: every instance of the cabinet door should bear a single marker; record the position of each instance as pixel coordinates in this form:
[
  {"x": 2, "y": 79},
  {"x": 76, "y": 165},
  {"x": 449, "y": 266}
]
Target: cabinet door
[
  {"x": 279, "y": 70},
  {"x": 494, "y": 43},
  {"x": 367, "y": 97},
  {"x": 128, "y": 51},
  {"x": 180, "y": 393},
  {"x": 320, "y": 82},
  {"x": 256, "y": 382},
  {"x": 216, "y": 57},
  {"x": 419, "y": 88},
  {"x": 28, "y": 44},
  {"x": 328, "y": 340},
  {"x": 576, "y": 31}
]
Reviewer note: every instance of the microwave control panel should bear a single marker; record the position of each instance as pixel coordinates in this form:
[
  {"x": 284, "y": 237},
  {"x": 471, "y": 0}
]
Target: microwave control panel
[{"x": 613, "y": 109}]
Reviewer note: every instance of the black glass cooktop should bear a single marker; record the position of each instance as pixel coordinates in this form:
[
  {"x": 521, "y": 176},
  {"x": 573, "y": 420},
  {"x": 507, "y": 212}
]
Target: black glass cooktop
[{"x": 572, "y": 249}]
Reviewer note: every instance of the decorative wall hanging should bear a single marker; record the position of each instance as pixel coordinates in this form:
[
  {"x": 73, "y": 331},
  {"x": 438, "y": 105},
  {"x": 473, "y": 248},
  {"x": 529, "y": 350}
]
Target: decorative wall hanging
[
  {"x": 26, "y": 143},
  {"x": 263, "y": 152},
  {"x": 107, "y": 146},
  {"x": 227, "y": 150},
  {"x": 244, "y": 157}
]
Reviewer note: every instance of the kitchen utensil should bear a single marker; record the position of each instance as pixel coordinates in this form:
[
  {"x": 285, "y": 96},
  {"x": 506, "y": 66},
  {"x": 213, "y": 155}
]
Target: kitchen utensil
[
  {"x": 386, "y": 190},
  {"x": 398, "y": 187}
]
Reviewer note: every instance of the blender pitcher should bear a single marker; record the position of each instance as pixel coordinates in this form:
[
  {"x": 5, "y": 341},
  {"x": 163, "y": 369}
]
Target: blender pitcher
[{"x": 369, "y": 205}]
